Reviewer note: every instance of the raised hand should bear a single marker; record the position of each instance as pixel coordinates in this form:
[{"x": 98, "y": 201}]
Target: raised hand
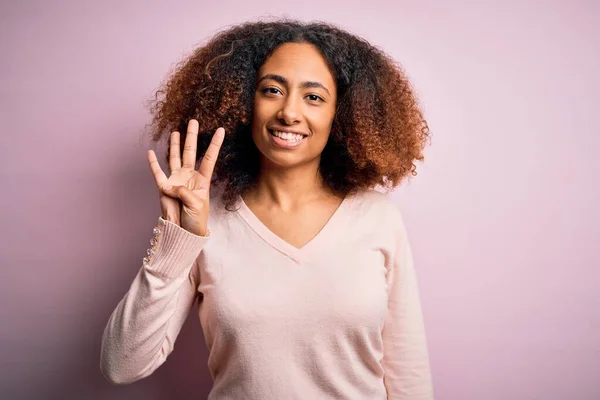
[{"x": 184, "y": 195}]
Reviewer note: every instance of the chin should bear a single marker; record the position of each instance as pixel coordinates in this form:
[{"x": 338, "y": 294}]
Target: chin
[{"x": 276, "y": 159}]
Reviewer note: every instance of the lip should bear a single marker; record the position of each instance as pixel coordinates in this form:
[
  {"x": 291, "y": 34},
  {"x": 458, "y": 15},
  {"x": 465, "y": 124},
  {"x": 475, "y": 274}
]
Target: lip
[
  {"x": 286, "y": 130},
  {"x": 284, "y": 144}
]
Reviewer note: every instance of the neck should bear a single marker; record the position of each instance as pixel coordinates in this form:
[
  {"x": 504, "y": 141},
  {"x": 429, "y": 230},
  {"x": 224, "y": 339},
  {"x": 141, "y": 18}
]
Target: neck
[{"x": 287, "y": 188}]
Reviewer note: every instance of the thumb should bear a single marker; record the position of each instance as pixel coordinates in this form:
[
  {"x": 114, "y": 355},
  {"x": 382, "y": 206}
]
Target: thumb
[
  {"x": 168, "y": 190},
  {"x": 188, "y": 198}
]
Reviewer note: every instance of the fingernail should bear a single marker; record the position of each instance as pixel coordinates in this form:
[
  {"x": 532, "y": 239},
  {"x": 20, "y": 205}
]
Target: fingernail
[{"x": 167, "y": 187}]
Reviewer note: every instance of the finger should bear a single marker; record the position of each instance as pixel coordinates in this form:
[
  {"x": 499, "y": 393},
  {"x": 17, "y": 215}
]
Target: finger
[
  {"x": 209, "y": 160},
  {"x": 175, "y": 153},
  {"x": 159, "y": 176},
  {"x": 191, "y": 142},
  {"x": 189, "y": 198}
]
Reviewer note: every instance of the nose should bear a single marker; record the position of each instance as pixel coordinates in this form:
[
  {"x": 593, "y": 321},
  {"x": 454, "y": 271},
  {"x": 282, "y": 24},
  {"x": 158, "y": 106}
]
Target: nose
[{"x": 289, "y": 112}]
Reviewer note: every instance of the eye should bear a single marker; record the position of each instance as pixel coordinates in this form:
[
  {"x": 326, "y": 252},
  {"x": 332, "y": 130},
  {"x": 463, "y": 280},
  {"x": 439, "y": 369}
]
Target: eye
[
  {"x": 314, "y": 97},
  {"x": 270, "y": 90}
]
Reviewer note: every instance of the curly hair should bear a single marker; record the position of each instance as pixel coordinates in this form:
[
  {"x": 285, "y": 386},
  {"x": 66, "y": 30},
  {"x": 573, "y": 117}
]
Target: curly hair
[{"x": 378, "y": 130}]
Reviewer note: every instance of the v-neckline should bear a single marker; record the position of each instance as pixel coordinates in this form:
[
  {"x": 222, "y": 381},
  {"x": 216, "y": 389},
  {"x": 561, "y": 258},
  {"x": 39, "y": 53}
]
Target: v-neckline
[{"x": 298, "y": 254}]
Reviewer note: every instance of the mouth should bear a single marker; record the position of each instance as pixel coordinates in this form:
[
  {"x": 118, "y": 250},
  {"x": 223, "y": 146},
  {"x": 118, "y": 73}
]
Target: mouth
[
  {"x": 286, "y": 139},
  {"x": 289, "y": 137}
]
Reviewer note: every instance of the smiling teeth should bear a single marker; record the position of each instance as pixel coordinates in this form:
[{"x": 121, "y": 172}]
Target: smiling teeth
[{"x": 292, "y": 137}]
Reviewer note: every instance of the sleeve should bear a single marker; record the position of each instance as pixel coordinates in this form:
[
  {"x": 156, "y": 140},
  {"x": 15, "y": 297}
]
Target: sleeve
[
  {"x": 141, "y": 331},
  {"x": 407, "y": 374}
]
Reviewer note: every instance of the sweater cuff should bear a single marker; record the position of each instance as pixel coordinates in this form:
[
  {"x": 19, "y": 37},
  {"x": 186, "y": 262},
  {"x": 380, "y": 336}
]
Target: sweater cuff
[{"x": 173, "y": 250}]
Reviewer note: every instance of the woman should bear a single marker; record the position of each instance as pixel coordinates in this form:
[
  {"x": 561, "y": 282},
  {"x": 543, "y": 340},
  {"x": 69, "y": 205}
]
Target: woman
[{"x": 303, "y": 272}]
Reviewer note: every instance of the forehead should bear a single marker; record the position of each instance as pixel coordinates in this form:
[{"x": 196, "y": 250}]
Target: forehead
[{"x": 298, "y": 62}]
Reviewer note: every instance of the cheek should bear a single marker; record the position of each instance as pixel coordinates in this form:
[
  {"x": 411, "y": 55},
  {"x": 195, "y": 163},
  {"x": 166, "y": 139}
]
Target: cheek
[
  {"x": 256, "y": 111},
  {"x": 321, "y": 121},
  {"x": 259, "y": 119},
  {"x": 259, "y": 105}
]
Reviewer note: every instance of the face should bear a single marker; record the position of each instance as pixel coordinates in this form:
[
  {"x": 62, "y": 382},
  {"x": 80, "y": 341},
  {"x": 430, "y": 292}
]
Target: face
[{"x": 294, "y": 106}]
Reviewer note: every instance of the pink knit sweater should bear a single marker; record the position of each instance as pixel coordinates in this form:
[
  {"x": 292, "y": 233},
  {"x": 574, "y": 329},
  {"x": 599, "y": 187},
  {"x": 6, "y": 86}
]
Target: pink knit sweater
[{"x": 339, "y": 318}]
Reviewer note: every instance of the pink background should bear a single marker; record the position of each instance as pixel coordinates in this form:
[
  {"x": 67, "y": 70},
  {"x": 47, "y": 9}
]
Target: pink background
[{"x": 503, "y": 215}]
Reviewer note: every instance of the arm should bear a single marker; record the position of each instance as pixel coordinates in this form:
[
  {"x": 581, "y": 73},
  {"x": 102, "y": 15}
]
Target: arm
[
  {"x": 141, "y": 331},
  {"x": 406, "y": 360}
]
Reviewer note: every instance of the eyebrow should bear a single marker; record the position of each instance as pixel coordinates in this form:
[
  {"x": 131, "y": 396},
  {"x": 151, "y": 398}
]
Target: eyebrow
[{"x": 283, "y": 81}]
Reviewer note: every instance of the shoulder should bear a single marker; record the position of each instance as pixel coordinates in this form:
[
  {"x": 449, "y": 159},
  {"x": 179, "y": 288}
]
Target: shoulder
[
  {"x": 217, "y": 204},
  {"x": 376, "y": 204},
  {"x": 378, "y": 212},
  {"x": 220, "y": 216}
]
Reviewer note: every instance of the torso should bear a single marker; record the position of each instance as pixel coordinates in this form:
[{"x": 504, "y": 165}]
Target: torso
[{"x": 290, "y": 322}]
